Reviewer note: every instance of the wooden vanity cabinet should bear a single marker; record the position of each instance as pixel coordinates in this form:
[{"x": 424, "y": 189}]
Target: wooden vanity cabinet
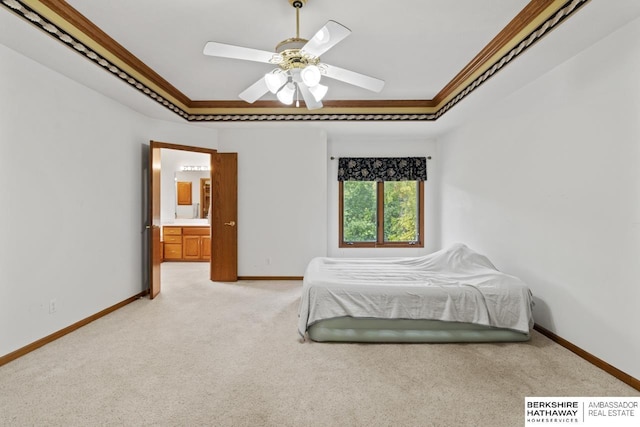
[
  {"x": 172, "y": 243},
  {"x": 187, "y": 243},
  {"x": 196, "y": 243}
]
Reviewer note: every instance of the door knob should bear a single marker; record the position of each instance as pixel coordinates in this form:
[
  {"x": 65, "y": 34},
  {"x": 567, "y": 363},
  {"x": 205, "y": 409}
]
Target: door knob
[{"x": 230, "y": 223}]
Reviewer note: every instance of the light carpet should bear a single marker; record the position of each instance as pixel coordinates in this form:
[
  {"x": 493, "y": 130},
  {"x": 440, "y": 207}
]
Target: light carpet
[{"x": 218, "y": 354}]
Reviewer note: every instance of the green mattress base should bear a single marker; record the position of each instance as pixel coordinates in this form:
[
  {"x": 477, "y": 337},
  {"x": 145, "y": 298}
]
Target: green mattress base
[{"x": 350, "y": 329}]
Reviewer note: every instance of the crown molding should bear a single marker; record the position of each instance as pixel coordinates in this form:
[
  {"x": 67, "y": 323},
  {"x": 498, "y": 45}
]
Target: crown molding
[{"x": 60, "y": 20}]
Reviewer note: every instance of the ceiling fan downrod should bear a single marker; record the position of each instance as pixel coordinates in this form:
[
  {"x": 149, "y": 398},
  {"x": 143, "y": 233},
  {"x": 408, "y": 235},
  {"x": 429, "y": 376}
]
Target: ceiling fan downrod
[{"x": 297, "y": 4}]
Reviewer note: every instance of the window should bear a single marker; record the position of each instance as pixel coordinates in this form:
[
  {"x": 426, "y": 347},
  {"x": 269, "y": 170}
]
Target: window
[{"x": 381, "y": 202}]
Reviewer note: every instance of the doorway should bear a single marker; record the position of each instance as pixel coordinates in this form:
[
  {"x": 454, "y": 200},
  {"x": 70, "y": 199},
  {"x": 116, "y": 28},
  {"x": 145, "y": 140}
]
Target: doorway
[{"x": 221, "y": 178}]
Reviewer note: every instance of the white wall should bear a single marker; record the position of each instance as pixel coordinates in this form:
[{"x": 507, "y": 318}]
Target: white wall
[
  {"x": 376, "y": 146},
  {"x": 71, "y": 227},
  {"x": 71, "y": 219},
  {"x": 547, "y": 184},
  {"x": 194, "y": 135},
  {"x": 282, "y": 197}
]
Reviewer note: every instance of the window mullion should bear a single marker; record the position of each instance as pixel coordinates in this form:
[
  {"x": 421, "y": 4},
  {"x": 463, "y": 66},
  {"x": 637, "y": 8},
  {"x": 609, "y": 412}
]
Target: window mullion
[
  {"x": 341, "y": 212},
  {"x": 380, "y": 213}
]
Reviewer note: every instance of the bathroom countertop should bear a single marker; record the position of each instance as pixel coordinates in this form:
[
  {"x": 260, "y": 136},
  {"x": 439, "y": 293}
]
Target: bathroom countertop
[{"x": 187, "y": 223}]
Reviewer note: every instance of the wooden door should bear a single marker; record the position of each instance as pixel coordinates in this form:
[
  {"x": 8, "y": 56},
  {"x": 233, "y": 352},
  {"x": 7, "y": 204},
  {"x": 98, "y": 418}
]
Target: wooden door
[
  {"x": 155, "y": 249},
  {"x": 224, "y": 217}
]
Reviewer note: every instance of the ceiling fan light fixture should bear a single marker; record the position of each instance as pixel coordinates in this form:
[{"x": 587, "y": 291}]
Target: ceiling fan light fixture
[
  {"x": 275, "y": 80},
  {"x": 310, "y": 75},
  {"x": 318, "y": 91},
  {"x": 285, "y": 95}
]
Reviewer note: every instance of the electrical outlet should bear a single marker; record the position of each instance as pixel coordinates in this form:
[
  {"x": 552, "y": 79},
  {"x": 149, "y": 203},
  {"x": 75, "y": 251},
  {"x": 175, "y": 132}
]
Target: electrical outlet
[
  {"x": 268, "y": 261},
  {"x": 53, "y": 306}
]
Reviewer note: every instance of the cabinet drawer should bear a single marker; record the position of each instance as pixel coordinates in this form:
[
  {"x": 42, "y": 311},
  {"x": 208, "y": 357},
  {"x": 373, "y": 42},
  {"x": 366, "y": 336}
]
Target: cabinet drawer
[
  {"x": 173, "y": 230},
  {"x": 172, "y": 251},
  {"x": 172, "y": 239},
  {"x": 195, "y": 231}
]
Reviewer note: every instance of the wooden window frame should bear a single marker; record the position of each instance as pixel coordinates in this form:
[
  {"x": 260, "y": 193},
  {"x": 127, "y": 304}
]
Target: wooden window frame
[{"x": 380, "y": 243}]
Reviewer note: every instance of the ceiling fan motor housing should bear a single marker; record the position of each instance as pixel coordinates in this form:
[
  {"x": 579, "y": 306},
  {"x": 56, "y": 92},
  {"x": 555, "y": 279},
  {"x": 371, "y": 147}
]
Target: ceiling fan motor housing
[
  {"x": 289, "y": 54},
  {"x": 293, "y": 58}
]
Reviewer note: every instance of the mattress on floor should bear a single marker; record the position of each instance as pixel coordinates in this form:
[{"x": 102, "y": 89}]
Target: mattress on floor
[{"x": 454, "y": 285}]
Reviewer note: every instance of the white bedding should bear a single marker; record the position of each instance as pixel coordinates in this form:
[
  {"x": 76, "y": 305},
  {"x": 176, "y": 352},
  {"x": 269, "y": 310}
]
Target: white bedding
[{"x": 454, "y": 284}]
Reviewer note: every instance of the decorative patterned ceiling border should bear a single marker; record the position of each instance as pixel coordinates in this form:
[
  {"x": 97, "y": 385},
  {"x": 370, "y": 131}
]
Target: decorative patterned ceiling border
[
  {"x": 357, "y": 113},
  {"x": 309, "y": 117}
]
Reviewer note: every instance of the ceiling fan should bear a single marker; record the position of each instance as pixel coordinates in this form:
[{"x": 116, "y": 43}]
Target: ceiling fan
[{"x": 299, "y": 68}]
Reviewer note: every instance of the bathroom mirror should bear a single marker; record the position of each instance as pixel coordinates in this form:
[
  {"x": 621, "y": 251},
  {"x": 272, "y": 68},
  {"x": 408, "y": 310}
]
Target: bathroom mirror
[{"x": 198, "y": 183}]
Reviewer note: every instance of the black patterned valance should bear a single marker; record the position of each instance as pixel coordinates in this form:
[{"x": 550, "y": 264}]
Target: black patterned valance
[{"x": 382, "y": 169}]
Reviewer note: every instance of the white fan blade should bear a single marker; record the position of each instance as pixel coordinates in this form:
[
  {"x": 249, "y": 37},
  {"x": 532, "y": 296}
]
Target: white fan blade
[
  {"x": 351, "y": 77},
  {"x": 328, "y": 36},
  {"x": 255, "y": 91},
  {"x": 236, "y": 52},
  {"x": 308, "y": 97}
]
